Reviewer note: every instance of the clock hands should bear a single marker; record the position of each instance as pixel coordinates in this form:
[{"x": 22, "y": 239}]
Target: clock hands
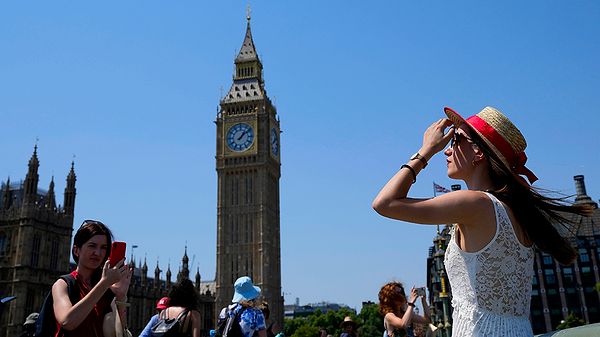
[{"x": 242, "y": 135}]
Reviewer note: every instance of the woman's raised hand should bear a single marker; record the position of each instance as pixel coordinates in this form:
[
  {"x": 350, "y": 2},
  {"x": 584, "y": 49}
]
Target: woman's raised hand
[
  {"x": 121, "y": 287},
  {"x": 118, "y": 277},
  {"x": 414, "y": 294},
  {"x": 436, "y": 138}
]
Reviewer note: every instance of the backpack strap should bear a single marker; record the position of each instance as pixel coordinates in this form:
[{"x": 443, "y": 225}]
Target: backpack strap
[{"x": 72, "y": 288}]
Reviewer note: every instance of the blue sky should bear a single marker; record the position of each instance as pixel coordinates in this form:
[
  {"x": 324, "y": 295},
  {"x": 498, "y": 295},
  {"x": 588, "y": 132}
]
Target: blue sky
[{"x": 131, "y": 89}]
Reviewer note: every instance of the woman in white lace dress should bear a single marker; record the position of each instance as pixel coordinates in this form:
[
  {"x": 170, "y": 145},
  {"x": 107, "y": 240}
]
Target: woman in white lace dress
[{"x": 498, "y": 220}]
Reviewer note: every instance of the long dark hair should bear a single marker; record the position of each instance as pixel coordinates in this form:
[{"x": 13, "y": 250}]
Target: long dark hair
[
  {"x": 89, "y": 229},
  {"x": 543, "y": 219},
  {"x": 183, "y": 294}
]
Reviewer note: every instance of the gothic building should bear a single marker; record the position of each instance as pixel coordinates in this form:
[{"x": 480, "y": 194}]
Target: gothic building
[
  {"x": 35, "y": 241},
  {"x": 440, "y": 293},
  {"x": 248, "y": 171},
  {"x": 144, "y": 292},
  {"x": 557, "y": 290},
  {"x": 560, "y": 290}
]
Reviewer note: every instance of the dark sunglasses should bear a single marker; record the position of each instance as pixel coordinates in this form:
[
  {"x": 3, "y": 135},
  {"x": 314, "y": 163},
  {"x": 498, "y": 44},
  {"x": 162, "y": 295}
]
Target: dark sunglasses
[
  {"x": 457, "y": 137},
  {"x": 91, "y": 222}
]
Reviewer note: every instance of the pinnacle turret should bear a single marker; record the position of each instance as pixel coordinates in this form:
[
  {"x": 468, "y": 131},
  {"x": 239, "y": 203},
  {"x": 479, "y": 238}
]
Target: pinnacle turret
[
  {"x": 184, "y": 273},
  {"x": 50, "y": 197},
  {"x": 6, "y": 195},
  {"x": 198, "y": 279},
  {"x": 168, "y": 275},
  {"x": 32, "y": 178},
  {"x": 70, "y": 191}
]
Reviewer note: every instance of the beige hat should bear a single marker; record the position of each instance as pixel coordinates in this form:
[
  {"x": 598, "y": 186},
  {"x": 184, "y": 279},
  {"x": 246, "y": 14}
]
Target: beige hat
[
  {"x": 500, "y": 135},
  {"x": 348, "y": 321}
]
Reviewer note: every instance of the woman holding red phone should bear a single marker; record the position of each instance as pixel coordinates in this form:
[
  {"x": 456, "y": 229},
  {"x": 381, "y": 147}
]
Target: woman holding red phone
[{"x": 94, "y": 277}]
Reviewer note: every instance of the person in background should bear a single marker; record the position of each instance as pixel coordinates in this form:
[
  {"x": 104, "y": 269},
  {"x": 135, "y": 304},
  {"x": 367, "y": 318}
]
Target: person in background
[
  {"x": 348, "y": 327},
  {"x": 250, "y": 319},
  {"x": 98, "y": 283},
  {"x": 183, "y": 297},
  {"x": 264, "y": 307},
  {"x": 161, "y": 305},
  {"x": 398, "y": 313}
]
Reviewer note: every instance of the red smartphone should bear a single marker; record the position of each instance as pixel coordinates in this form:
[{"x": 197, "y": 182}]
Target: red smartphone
[{"x": 117, "y": 252}]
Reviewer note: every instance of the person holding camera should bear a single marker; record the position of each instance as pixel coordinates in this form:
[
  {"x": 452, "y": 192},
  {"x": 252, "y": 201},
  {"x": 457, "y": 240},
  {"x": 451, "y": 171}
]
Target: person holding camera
[
  {"x": 497, "y": 222},
  {"x": 96, "y": 283},
  {"x": 398, "y": 313}
]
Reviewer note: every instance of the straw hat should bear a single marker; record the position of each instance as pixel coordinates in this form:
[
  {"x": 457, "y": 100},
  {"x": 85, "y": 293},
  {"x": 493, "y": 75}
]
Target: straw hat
[
  {"x": 348, "y": 321},
  {"x": 500, "y": 135}
]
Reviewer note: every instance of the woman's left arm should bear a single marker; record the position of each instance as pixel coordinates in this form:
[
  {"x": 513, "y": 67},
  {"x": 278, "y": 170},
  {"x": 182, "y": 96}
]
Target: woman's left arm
[{"x": 457, "y": 207}]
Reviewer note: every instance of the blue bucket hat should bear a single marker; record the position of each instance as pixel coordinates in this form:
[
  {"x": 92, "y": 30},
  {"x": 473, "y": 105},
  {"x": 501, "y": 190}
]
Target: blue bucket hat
[{"x": 244, "y": 290}]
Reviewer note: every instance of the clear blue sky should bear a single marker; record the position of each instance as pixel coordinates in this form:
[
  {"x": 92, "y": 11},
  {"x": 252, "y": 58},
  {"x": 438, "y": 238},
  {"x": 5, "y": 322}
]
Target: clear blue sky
[{"x": 131, "y": 88}]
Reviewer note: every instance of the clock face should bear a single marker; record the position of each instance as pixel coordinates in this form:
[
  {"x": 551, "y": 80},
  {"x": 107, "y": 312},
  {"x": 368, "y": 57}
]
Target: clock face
[
  {"x": 274, "y": 142},
  {"x": 240, "y": 137}
]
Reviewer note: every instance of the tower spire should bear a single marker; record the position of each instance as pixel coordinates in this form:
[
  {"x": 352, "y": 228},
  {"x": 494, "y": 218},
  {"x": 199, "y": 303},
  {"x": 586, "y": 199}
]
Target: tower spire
[
  {"x": 6, "y": 195},
  {"x": 70, "y": 191},
  {"x": 50, "y": 197},
  {"x": 32, "y": 178}
]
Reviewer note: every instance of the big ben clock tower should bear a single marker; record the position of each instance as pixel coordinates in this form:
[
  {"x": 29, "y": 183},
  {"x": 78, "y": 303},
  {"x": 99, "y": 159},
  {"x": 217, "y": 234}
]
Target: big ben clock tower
[{"x": 248, "y": 171}]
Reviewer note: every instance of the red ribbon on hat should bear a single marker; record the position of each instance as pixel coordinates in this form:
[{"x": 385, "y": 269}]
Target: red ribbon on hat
[{"x": 517, "y": 160}]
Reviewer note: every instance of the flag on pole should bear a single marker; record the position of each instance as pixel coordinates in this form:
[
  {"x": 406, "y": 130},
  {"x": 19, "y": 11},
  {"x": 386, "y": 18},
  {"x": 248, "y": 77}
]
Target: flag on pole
[{"x": 439, "y": 188}]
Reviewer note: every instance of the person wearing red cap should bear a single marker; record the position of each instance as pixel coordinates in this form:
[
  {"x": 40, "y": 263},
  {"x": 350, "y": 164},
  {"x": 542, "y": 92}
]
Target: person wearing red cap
[
  {"x": 161, "y": 305},
  {"x": 498, "y": 220}
]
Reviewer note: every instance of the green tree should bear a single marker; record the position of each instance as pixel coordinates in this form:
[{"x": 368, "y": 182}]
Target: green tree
[
  {"x": 370, "y": 321},
  {"x": 329, "y": 321},
  {"x": 306, "y": 331},
  {"x": 570, "y": 322}
]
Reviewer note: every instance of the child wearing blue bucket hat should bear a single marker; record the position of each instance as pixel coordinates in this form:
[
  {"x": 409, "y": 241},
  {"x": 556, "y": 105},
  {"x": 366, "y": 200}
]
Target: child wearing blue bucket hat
[{"x": 243, "y": 313}]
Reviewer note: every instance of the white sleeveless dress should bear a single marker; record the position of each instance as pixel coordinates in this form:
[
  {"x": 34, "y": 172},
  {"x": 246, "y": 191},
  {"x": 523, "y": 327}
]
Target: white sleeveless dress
[{"x": 491, "y": 288}]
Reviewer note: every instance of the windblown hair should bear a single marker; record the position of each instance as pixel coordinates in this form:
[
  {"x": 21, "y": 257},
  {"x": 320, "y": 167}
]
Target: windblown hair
[
  {"x": 391, "y": 298},
  {"x": 183, "y": 294},
  {"x": 89, "y": 229},
  {"x": 542, "y": 218}
]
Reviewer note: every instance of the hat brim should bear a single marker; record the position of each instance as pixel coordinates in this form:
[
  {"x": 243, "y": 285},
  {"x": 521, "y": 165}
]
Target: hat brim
[
  {"x": 247, "y": 295},
  {"x": 344, "y": 323},
  {"x": 454, "y": 117},
  {"x": 458, "y": 120}
]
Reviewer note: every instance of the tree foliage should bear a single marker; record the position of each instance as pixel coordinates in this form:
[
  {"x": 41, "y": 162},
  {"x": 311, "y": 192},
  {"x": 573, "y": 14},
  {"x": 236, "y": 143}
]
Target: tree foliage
[
  {"x": 370, "y": 322},
  {"x": 570, "y": 322}
]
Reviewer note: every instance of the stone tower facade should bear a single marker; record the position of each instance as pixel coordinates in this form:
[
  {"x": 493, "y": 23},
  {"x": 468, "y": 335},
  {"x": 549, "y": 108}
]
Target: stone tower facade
[
  {"x": 35, "y": 241},
  {"x": 248, "y": 170}
]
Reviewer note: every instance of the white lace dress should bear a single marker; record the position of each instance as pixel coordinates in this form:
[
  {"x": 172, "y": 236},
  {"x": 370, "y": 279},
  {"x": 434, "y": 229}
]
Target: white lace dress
[{"x": 491, "y": 288}]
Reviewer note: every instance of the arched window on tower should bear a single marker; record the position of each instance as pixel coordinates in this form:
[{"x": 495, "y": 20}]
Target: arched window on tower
[
  {"x": 54, "y": 254},
  {"x": 35, "y": 250},
  {"x": 3, "y": 244}
]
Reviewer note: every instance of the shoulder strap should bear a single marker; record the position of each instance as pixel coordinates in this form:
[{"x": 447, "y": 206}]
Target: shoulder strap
[
  {"x": 181, "y": 314},
  {"x": 72, "y": 287}
]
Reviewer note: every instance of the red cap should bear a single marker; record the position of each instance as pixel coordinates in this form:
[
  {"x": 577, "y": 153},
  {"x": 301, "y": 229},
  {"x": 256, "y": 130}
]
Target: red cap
[{"x": 162, "y": 304}]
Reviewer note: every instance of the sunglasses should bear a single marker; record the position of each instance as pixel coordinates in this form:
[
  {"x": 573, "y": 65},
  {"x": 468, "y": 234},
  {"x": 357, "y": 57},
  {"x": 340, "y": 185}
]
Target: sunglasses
[
  {"x": 91, "y": 222},
  {"x": 457, "y": 137}
]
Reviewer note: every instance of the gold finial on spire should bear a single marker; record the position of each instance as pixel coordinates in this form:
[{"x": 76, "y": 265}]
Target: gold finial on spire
[{"x": 248, "y": 11}]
